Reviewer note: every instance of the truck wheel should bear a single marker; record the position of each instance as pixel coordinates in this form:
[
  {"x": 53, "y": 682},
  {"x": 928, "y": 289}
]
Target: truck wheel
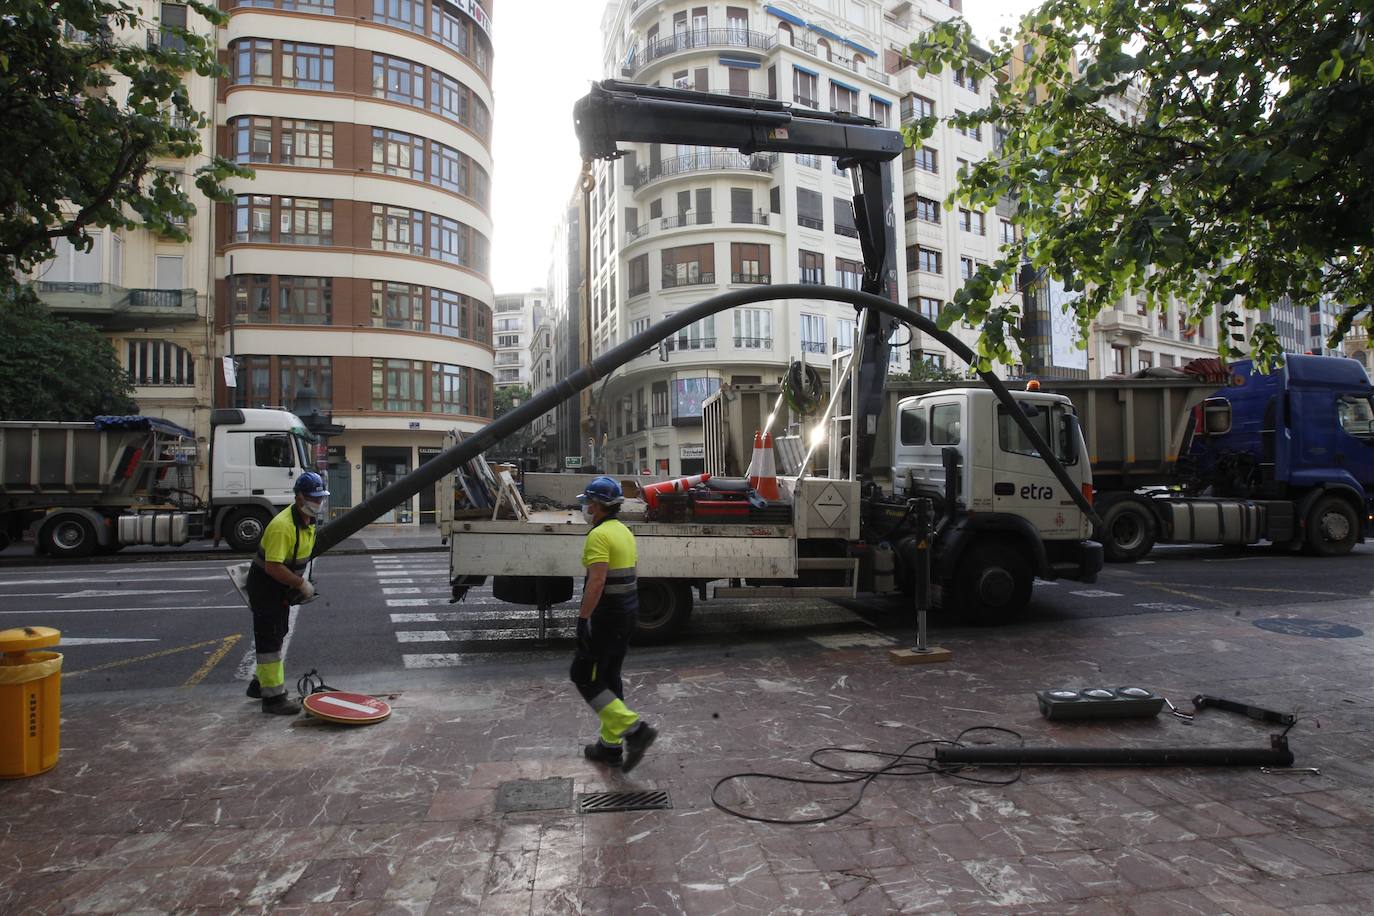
[
  {"x": 69, "y": 537},
  {"x": 664, "y": 608},
  {"x": 1128, "y": 531},
  {"x": 244, "y": 529},
  {"x": 993, "y": 583},
  {"x": 1332, "y": 527}
]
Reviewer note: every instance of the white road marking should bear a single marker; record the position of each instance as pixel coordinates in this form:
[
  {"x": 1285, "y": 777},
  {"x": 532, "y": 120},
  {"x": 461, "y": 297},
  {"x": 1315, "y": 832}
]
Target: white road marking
[
  {"x": 120, "y": 593},
  {"x": 106, "y": 579},
  {"x": 457, "y": 659},
  {"x": 106, "y": 610},
  {"x": 852, "y": 640},
  {"x": 97, "y": 641},
  {"x": 249, "y": 662},
  {"x": 1094, "y": 593},
  {"x": 417, "y": 590},
  {"x": 416, "y": 602},
  {"x": 1166, "y": 606},
  {"x": 477, "y": 635}
]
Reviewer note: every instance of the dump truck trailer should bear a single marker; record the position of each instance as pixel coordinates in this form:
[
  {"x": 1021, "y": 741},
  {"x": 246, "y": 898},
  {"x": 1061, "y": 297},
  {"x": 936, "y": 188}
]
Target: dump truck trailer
[
  {"x": 1203, "y": 454},
  {"x": 83, "y": 488}
]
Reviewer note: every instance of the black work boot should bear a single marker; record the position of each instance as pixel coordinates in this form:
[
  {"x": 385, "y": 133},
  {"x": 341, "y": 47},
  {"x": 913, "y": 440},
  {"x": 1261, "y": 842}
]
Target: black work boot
[
  {"x": 280, "y": 705},
  {"x": 600, "y": 753},
  {"x": 636, "y": 743},
  {"x": 254, "y": 690}
]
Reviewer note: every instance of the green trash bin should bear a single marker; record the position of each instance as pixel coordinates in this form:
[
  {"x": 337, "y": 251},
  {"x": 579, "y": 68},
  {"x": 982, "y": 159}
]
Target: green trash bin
[{"x": 30, "y": 701}]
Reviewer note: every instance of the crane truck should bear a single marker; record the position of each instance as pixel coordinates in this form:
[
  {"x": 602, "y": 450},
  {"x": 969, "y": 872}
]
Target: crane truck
[
  {"x": 84, "y": 488},
  {"x": 1008, "y": 505}
]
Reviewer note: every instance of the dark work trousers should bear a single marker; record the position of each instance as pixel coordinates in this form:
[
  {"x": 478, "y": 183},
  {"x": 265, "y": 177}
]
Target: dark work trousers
[
  {"x": 269, "y": 600},
  {"x": 596, "y": 668}
]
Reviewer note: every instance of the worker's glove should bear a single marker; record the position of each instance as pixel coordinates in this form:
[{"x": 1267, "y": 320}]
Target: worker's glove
[
  {"x": 305, "y": 593},
  {"x": 584, "y": 634}
]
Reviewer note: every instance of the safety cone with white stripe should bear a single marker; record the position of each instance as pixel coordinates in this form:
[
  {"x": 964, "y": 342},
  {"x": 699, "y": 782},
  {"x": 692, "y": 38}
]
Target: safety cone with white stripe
[
  {"x": 755, "y": 461},
  {"x": 767, "y": 485}
]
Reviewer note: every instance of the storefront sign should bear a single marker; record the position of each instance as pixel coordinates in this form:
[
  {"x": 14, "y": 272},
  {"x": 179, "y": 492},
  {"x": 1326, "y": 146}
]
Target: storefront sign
[{"x": 692, "y": 451}]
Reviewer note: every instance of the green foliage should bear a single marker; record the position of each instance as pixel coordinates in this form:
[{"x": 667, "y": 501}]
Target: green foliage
[
  {"x": 506, "y": 400},
  {"x": 52, "y": 369},
  {"x": 88, "y": 104},
  {"x": 1247, "y": 175}
]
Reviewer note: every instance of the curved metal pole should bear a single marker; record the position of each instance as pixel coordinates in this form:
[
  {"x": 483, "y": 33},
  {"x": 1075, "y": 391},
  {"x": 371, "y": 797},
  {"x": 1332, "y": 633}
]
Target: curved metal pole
[{"x": 447, "y": 462}]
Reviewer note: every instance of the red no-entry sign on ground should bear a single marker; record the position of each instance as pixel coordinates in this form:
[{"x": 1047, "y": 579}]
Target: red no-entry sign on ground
[{"x": 347, "y": 708}]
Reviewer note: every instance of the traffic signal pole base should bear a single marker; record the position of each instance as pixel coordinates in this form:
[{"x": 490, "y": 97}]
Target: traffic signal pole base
[{"x": 918, "y": 656}]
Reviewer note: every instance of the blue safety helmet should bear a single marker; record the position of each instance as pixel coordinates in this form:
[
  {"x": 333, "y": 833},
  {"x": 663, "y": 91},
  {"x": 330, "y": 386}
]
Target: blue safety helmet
[
  {"x": 311, "y": 485},
  {"x": 602, "y": 490}
]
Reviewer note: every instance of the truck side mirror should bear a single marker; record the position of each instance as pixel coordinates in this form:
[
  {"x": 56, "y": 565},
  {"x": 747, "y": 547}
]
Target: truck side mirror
[
  {"x": 1071, "y": 437},
  {"x": 950, "y": 457}
]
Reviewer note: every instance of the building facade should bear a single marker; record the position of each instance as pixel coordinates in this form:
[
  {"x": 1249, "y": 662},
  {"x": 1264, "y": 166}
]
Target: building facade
[
  {"x": 672, "y": 225},
  {"x": 517, "y": 315},
  {"x": 571, "y": 332},
  {"x": 352, "y": 272},
  {"x": 150, "y": 294}
]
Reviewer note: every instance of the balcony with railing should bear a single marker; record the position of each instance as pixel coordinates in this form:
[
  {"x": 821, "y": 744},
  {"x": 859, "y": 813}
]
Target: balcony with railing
[
  {"x": 748, "y": 218},
  {"x": 813, "y": 346},
  {"x": 690, "y": 218},
  {"x": 704, "y": 278},
  {"x": 660, "y": 419},
  {"x": 753, "y": 343},
  {"x": 714, "y": 161},
  {"x": 695, "y": 39},
  {"x": 752, "y": 279},
  {"x": 690, "y": 343},
  {"x": 114, "y": 307},
  {"x": 638, "y": 232},
  {"x": 810, "y": 222}
]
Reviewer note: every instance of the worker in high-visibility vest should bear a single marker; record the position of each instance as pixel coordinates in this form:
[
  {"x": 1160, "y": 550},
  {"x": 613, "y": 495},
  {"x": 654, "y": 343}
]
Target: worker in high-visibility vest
[
  {"x": 276, "y": 581},
  {"x": 606, "y": 620}
]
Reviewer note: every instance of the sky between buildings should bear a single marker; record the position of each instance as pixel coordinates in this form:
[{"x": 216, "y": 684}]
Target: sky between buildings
[{"x": 544, "y": 63}]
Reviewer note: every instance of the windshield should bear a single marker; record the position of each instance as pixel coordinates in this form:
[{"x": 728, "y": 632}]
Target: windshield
[
  {"x": 1051, "y": 421},
  {"x": 304, "y": 452},
  {"x": 1356, "y": 413}
]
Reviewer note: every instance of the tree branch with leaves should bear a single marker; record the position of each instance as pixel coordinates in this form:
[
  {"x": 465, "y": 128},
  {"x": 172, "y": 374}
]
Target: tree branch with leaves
[
  {"x": 1243, "y": 174},
  {"x": 88, "y": 106}
]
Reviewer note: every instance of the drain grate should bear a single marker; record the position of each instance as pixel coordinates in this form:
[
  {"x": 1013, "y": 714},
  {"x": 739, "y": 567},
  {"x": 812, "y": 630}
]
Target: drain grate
[{"x": 597, "y": 802}]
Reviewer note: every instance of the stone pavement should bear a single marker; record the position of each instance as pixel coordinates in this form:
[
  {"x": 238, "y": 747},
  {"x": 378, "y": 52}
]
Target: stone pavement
[{"x": 194, "y": 802}]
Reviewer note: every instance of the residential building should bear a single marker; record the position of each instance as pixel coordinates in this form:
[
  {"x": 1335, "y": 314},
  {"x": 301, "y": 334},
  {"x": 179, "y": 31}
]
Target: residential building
[
  {"x": 544, "y": 429},
  {"x": 1356, "y": 346},
  {"x": 672, "y": 225},
  {"x": 352, "y": 271},
  {"x": 516, "y": 317},
  {"x": 567, "y": 292},
  {"x": 149, "y": 293}
]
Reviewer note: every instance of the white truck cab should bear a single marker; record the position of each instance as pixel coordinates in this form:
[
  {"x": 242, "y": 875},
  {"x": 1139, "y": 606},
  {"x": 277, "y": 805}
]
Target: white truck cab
[{"x": 256, "y": 456}]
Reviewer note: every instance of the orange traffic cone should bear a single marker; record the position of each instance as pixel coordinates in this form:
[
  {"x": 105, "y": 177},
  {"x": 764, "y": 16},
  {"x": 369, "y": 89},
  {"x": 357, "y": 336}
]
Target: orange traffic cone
[
  {"x": 767, "y": 485},
  {"x": 653, "y": 491},
  {"x": 755, "y": 461}
]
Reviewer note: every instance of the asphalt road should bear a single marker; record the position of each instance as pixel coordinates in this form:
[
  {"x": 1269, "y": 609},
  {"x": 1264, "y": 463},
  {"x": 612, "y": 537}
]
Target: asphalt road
[{"x": 179, "y": 622}]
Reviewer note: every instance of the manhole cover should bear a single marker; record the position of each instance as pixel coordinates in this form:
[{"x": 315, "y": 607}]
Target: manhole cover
[
  {"x": 534, "y": 794},
  {"x": 1301, "y": 626},
  {"x": 598, "y": 802}
]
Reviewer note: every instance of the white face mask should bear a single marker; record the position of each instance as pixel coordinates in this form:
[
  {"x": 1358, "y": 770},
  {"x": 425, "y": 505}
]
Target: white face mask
[
  {"x": 587, "y": 514},
  {"x": 311, "y": 509}
]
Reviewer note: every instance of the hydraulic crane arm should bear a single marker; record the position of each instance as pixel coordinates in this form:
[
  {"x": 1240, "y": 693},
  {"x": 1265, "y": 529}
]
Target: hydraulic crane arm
[{"x": 616, "y": 111}]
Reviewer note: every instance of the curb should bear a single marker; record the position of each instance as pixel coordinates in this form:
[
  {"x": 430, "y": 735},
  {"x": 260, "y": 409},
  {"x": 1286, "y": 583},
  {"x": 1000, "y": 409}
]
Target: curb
[{"x": 194, "y": 555}]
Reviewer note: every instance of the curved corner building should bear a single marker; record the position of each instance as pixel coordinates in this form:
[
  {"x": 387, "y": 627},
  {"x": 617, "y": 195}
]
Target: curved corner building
[
  {"x": 674, "y": 224},
  {"x": 352, "y": 277}
]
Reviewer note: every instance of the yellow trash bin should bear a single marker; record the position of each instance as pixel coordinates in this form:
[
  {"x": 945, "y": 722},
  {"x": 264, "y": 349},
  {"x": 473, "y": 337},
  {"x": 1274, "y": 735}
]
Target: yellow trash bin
[{"x": 30, "y": 701}]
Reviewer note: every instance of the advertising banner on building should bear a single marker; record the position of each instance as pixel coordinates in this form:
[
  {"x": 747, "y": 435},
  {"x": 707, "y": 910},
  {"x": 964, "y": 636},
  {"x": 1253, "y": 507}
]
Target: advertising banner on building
[{"x": 1064, "y": 350}]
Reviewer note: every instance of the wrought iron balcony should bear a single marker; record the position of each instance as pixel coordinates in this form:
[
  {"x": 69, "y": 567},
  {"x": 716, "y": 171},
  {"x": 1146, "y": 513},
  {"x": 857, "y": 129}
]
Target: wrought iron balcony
[
  {"x": 698, "y": 39},
  {"x": 671, "y": 281},
  {"x": 755, "y": 218},
  {"x": 813, "y": 346},
  {"x": 685, "y": 219},
  {"x": 714, "y": 161},
  {"x": 754, "y": 343},
  {"x": 755, "y": 279},
  {"x": 109, "y": 306},
  {"x": 847, "y": 230},
  {"x": 810, "y": 222}
]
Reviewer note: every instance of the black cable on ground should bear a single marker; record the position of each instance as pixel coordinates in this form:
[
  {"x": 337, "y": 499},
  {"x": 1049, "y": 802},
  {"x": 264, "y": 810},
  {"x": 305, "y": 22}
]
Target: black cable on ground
[
  {"x": 904, "y": 764},
  {"x": 312, "y": 682}
]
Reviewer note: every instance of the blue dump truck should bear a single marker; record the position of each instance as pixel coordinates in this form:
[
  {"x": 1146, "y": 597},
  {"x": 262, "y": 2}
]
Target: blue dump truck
[{"x": 1228, "y": 455}]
